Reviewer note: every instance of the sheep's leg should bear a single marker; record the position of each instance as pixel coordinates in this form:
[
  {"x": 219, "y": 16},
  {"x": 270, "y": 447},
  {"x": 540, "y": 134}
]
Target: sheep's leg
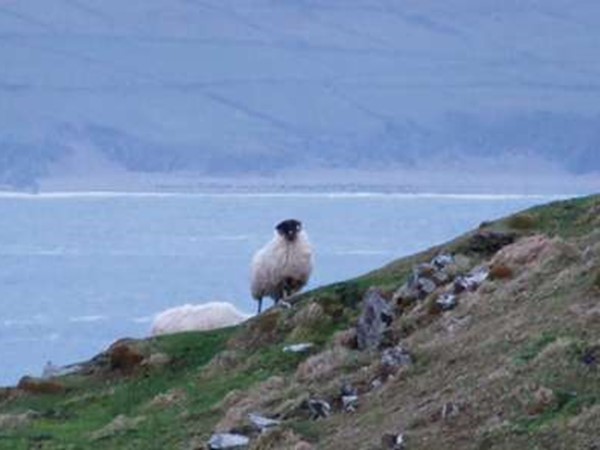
[{"x": 259, "y": 305}]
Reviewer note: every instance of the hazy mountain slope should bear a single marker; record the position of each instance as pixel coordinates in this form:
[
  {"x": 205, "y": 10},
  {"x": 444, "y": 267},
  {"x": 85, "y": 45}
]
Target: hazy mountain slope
[
  {"x": 226, "y": 86},
  {"x": 515, "y": 365}
]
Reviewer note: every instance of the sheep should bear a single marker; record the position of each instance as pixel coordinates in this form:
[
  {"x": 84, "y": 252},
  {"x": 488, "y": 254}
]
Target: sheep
[
  {"x": 282, "y": 267},
  {"x": 206, "y": 316}
]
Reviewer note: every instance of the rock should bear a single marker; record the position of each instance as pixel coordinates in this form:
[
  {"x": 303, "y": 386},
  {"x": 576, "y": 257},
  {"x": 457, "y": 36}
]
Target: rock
[
  {"x": 262, "y": 423},
  {"x": 441, "y": 261},
  {"x": 447, "y": 301},
  {"x": 376, "y": 317},
  {"x": 376, "y": 383},
  {"x": 33, "y": 385},
  {"x": 391, "y": 441},
  {"x": 119, "y": 424},
  {"x": 298, "y": 348},
  {"x": 227, "y": 441},
  {"x": 350, "y": 402},
  {"x": 471, "y": 281},
  {"x": 319, "y": 409},
  {"x": 396, "y": 357}
]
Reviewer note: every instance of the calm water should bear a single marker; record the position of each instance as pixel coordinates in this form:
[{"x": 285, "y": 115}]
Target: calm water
[{"x": 79, "y": 271}]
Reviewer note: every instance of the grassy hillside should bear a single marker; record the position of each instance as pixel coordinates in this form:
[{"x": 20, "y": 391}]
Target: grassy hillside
[{"x": 514, "y": 365}]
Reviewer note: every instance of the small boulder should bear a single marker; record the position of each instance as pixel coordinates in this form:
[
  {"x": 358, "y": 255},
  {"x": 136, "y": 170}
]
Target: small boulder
[
  {"x": 228, "y": 441},
  {"x": 393, "y": 441},
  {"x": 319, "y": 409},
  {"x": 376, "y": 317},
  {"x": 262, "y": 423},
  {"x": 15, "y": 421},
  {"x": 396, "y": 357},
  {"x": 446, "y": 301},
  {"x": 298, "y": 348}
]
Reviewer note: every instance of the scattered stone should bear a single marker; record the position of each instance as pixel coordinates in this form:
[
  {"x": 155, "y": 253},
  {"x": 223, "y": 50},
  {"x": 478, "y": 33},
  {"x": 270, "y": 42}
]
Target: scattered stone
[
  {"x": 120, "y": 424},
  {"x": 33, "y": 385},
  {"x": 391, "y": 441},
  {"x": 471, "y": 281},
  {"x": 298, "y": 348},
  {"x": 14, "y": 421},
  {"x": 227, "y": 441},
  {"x": 447, "y": 301},
  {"x": 262, "y": 423},
  {"x": 376, "y": 317},
  {"x": 319, "y": 409},
  {"x": 376, "y": 383},
  {"x": 396, "y": 357},
  {"x": 350, "y": 402},
  {"x": 349, "y": 395},
  {"x": 442, "y": 261}
]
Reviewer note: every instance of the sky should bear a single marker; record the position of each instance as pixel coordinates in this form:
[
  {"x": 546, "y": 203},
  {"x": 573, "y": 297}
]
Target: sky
[{"x": 257, "y": 88}]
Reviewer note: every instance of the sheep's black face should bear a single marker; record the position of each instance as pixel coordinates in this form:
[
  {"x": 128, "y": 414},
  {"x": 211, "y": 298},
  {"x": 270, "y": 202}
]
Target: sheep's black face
[{"x": 289, "y": 229}]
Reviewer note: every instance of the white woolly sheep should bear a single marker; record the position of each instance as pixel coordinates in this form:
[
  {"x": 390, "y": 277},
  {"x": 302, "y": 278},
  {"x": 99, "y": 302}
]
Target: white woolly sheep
[
  {"x": 282, "y": 267},
  {"x": 206, "y": 316}
]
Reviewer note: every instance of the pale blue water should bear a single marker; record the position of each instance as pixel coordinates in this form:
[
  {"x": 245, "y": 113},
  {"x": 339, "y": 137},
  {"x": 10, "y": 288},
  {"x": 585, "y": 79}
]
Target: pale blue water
[{"x": 80, "y": 271}]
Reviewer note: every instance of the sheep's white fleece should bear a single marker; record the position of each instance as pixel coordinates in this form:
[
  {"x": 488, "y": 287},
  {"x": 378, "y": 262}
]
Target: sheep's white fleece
[
  {"x": 206, "y": 316},
  {"x": 278, "y": 261}
]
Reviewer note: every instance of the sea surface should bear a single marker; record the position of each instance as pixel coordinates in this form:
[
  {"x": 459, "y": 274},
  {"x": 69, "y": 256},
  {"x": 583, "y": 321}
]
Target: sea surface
[{"x": 78, "y": 271}]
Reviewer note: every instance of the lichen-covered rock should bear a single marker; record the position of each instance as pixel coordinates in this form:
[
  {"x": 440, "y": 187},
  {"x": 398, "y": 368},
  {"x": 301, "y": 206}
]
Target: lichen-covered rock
[
  {"x": 396, "y": 357},
  {"x": 376, "y": 317}
]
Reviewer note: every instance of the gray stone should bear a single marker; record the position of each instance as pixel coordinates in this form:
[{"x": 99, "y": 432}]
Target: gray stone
[
  {"x": 442, "y": 261},
  {"x": 228, "y": 441},
  {"x": 392, "y": 441},
  {"x": 348, "y": 389},
  {"x": 471, "y": 281},
  {"x": 262, "y": 423},
  {"x": 298, "y": 348},
  {"x": 396, "y": 357},
  {"x": 319, "y": 409},
  {"x": 447, "y": 301},
  {"x": 350, "y": 402},
  {"x": 426, "y": 286},
  {"x": 376, "y": 317}
]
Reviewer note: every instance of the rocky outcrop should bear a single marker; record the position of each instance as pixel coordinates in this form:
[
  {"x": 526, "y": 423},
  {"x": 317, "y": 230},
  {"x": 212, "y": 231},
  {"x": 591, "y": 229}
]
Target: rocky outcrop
[{"x": 376, "y": 317}]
